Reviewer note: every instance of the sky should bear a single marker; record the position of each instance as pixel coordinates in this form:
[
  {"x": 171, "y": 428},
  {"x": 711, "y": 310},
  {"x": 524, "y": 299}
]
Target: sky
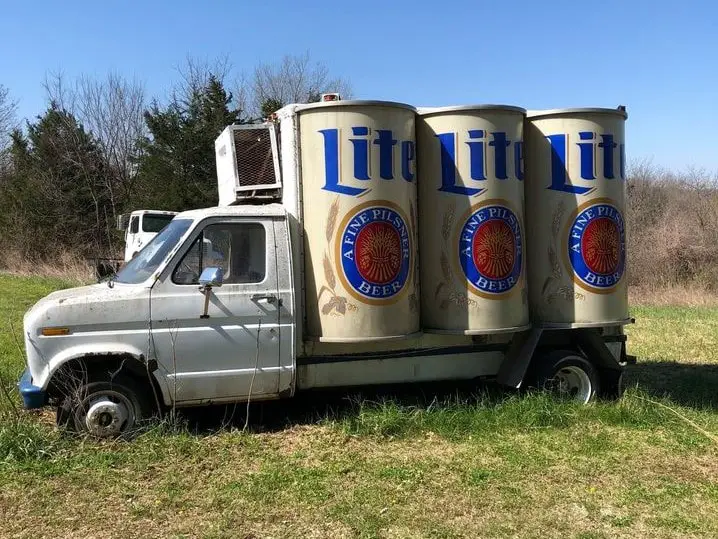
[{"x": 658, "y": 58}]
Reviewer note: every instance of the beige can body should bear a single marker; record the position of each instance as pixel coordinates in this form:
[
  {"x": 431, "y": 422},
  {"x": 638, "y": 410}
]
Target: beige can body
[
  {"x": 358, "y": 174},
  {"x": 471, "y": 219},
  {"x": 575, "y": 208}
]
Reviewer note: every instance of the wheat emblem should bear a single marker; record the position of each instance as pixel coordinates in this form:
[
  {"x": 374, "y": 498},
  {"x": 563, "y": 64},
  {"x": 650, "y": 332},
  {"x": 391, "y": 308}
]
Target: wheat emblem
[
  {"x": 336, "y": 303},
  {"x": 445, "y": 290},
  {"x": 552, "y": 288}
]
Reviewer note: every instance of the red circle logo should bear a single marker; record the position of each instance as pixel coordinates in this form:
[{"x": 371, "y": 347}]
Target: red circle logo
[
  {"x": 493, "y": 249},
  {"x": 378, "y": 253},
  {"x": 601, "y": 246}
]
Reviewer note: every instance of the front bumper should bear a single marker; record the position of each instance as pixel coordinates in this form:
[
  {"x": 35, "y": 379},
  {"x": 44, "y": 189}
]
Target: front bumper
[{"x": 32, "y": 396}]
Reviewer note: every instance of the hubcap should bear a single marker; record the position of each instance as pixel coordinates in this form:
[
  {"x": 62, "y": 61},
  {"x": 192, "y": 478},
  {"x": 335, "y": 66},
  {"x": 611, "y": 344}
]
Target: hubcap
[
  {"x": 107, "y": 414},
  {"x": 573, "y": 382}
]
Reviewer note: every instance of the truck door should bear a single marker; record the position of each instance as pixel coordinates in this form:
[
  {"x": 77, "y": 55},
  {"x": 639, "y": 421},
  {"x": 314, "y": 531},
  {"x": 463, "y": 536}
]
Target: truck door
[{"x": 235, "y": 348}]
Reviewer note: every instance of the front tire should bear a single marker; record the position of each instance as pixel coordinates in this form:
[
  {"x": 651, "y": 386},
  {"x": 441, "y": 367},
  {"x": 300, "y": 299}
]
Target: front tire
[
  {"x": 105, "y": 407},
  {"x": 567, "y": 374}
]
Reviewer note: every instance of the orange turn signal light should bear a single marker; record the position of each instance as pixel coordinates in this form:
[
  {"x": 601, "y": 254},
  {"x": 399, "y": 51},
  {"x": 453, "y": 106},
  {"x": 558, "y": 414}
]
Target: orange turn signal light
[{"x": 54, "y": 332}]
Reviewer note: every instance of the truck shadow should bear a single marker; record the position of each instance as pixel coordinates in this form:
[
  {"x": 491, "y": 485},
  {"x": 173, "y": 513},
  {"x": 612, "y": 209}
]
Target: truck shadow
[
  {"x": 685, "y": 384},
  {"x": 312, "y": 407}
]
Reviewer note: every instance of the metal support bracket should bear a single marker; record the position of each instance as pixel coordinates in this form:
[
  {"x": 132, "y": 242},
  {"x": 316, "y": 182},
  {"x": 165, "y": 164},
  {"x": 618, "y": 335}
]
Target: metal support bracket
[
  {"x": 516, "y": 362},
  {"x": 595, "y": 349}
]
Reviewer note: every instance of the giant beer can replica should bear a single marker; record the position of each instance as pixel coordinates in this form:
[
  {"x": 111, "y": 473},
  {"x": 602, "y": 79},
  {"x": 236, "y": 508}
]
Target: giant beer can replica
[
  {"x": 575, "y": 208},
  {"x": 471, "y": 219},
  {"x": 358, "y": 174}
]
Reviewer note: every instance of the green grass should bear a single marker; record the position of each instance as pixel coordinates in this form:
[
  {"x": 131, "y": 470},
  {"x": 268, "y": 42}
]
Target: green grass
[
  {"x": 464, "y": 464},
  {"x": 17, "y": 294}
]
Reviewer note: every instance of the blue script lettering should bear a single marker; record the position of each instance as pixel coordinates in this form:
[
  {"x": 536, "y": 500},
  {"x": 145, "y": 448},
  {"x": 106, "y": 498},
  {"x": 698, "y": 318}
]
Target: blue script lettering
[
  {"x": 361, "y": 169},
  {"x": 478, "y": 140},
  {"x": 588, "y": 146}
]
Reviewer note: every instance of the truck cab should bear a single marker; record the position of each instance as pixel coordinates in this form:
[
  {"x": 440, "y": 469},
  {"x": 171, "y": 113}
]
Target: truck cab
[{"x": 209, "y": 341}]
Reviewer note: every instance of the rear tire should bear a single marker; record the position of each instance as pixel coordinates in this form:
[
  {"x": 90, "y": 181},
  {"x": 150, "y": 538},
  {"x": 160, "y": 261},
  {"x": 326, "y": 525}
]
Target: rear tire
[
  {"x": 611, "y": 384},
  {"x": 105, "y": 407},
  {"x": 567, "y": 374}
]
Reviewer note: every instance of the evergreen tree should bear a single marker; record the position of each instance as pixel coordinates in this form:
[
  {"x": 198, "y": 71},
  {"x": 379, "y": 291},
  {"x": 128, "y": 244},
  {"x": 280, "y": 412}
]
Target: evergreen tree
[
  {"x": 270, "y": 106},
  {"x": 177, "y": 168},
  {"x": 56, "y": 188}
]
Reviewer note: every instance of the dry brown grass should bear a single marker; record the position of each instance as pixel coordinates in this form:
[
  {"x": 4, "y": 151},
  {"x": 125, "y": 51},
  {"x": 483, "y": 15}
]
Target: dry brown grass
[
  {"x": 678, "y": 295},
  {"x": 67, "y": 266}
]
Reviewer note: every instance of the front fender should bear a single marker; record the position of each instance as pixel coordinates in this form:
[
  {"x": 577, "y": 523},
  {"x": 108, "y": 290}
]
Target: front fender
[{"x": 88, "y": 352}]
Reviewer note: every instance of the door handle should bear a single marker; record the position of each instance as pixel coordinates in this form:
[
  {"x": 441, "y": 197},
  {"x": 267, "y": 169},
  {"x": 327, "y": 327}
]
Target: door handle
[{"x": 264, "y": 298}]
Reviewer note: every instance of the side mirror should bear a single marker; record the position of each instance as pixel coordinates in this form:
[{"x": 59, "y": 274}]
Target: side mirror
[
  {"x": 123, "y": 221},
  {"x": 211, "y": 277}
]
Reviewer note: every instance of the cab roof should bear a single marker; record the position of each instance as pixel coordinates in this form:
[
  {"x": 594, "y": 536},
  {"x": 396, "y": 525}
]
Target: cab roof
[
  {"x": 158, "y": 212},
  {"x": 246, "y": 210}
]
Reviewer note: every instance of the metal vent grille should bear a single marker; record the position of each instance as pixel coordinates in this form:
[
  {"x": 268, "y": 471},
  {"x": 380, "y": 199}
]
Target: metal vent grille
[{"x": 255, "y": 160}]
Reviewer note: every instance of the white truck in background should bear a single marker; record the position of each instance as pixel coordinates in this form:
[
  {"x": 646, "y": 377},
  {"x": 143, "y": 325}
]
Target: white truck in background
[
  {"x": 140, "y": 227},
  {"x": 176, "y": 327}
]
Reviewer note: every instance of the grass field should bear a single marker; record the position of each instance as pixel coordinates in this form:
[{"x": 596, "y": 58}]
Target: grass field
[{"x": 463, "y": 464}]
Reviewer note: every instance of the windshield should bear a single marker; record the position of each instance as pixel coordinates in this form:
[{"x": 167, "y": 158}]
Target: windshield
[
  {"x": 144, "y": 264},
  {"x": 154, "y": 222}
]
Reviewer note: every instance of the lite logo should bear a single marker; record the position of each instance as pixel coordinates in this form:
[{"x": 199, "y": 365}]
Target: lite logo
[
  {"x": 365, "y": 142},
  {"x": 597, "y": 159},
  {"x": 490, "y": 154}
]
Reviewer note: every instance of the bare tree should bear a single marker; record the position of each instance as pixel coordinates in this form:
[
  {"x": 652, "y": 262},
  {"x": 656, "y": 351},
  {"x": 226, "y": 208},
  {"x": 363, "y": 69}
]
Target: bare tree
[
  {"x": 196, "y": 73},
  {"x": 112, "y": 110},
  {"x": 241, "y": 93},
  {"x": 8, "y": 109},
  {"x": 294, "y": 79}
]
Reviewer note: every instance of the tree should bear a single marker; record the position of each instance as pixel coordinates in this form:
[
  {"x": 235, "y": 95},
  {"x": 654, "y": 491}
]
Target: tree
[
  {"x": 177, "y": 170},
  {"x": 294, "y": 79},
  {"x": 55, "y": 197},
  {"x": 196, "y": 73},
  {"x": 7, "y": 111},
  {"x": 112, "y": 109},
  {"x": 271, "y": 106},
  {"x": 7, "y": 123}
]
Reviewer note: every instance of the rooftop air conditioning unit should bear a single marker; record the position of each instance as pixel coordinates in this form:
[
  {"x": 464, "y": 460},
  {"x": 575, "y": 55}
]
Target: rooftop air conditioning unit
[{"x": 247, "y": 163}]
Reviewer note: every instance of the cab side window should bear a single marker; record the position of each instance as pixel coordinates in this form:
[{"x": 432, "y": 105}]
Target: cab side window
[
  {"x": 135, "y": 225},
  {"x": 239, "y": 249}
]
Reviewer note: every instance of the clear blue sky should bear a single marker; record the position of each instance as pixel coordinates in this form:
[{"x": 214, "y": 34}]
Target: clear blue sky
[{"x": 659, "y": 58}]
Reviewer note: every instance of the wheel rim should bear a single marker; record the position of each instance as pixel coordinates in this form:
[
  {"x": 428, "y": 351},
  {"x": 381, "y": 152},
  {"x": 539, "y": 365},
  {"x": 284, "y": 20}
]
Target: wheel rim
[
  {"x": 572, "y": 382},
  {"x": 106, "y": 414}
]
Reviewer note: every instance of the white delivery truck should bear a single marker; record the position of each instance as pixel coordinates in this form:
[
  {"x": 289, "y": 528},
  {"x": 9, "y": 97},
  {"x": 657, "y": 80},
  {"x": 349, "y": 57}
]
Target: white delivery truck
[{"x": 357, "y": 243}]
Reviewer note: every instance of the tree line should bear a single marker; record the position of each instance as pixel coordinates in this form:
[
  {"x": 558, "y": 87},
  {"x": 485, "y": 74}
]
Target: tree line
[{"x": 102, "y": 148}]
